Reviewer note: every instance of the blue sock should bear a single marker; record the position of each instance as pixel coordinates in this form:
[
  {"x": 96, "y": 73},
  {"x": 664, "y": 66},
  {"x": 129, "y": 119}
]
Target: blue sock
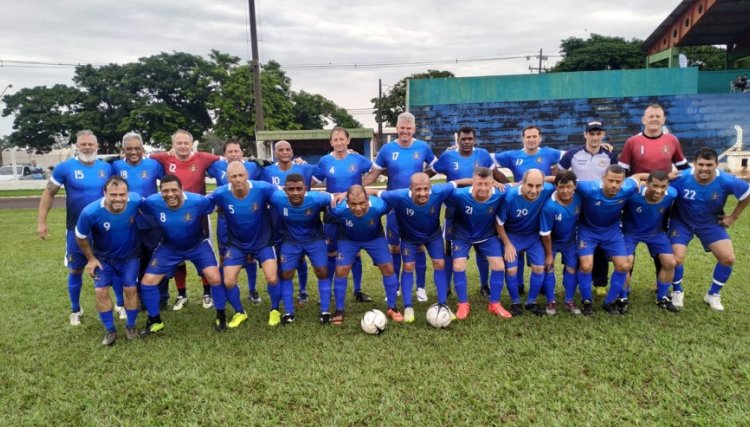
[
  {"x": 549, "y": 287},
  {"x": 616, "y": 282},
  {"x": 219, "y": 296},
  {"x": 496, "y": 285},
  {"x": 407, "y": 284},
  {"x": 132, "y": 317},
  {"x": 302, "y": 278},
  {"x": 459, "y": 282},
  {"x": 274, "y": 293},
  {"x": 357, "y": 274},
  {"x": 390, "y": 283},
  {"x": 662, "y": 289},
  {"x": 251, "y": 268},
  {"x": 448, "y": 270},
  {"x": 118, "y": 290},
  {"x": 324, "y": 289},
  {"x": 332, "y": 267},
  {"x": 421, "y": 269},
  {"x": 287, "y": 294},
  {"x": 484, "y": 270},
  {"x": 569, "y": 284},
  {"x": 679, "y": 270},
  {"x": 233, "y": 296},
  {"x": 721, "y": 275},
  {"x": 339, "y": 291},
  {"x": 441, "y": 285},
  {"x": 521, "y": 268},
  {"x": 108, "y": 319},
  {"x": 396, "y": 263},
  {"x": 584, "y": 283},
  {"x": 150, "y": 295},
  {"x": 536, "y": 281},
  {"x": 625, "y": 292},
  {"x": 75, "y": 282},
  {"x": 511, "y": 281}
]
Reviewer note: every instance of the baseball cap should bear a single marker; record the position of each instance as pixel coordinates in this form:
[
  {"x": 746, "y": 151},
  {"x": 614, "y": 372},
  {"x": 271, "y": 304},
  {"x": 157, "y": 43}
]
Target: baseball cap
[{"x": 594, "y": 126}]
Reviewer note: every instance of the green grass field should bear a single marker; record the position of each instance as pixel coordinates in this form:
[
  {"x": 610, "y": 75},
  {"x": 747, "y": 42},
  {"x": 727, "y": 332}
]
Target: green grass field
[{"x": 647, "y": 368}]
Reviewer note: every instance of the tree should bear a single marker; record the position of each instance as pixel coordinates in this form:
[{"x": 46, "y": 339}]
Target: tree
[
  {"x": 393, "y": 103},
  {"x": 600, "y": 53},
  {"x": 313, "y": 111}
]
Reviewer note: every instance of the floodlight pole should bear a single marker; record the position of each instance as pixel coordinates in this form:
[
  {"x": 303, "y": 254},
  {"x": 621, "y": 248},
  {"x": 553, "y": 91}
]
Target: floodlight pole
[{"x": 255, "y": 64}]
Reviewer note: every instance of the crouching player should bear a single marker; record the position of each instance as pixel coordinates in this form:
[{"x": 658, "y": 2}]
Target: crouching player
[{"x": 110, "y": 222}]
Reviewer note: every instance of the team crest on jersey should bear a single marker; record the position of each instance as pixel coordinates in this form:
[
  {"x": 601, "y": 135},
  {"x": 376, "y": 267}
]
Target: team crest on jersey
[
  {"x": 603, "y": 163},
  {"x": 131, "y": 220},
  {"x": 456, "y": 248},
  {"x": 406, "y": 251},
  {"x": 432, "y": 210},
  {"x": 154, "y": 262},
  {"x": 674, "y": 233},
  {"x": 340, "y": 257},
  {"x": 490, "y": 210},
  {"x": 282, "y": 259},
  {"x": 352, "y": 168},
  {"x": 188, "y": 217},
  {"x": 144, "y": 174},
  {"x": 102, "y": 174},
  {"x": 539, "y": 160},
  {"x": 371, "y": 222},
  {"x": 661, "y": 210},
  {"x": 582, "y": 244},
  {"x": 578, "y": 211},
  {"x": 665, "y": 148},
  {"x": 308, "y": 212},
  {"x": 415, "y": 156},
  {"x": 714, "y": 196},
  {"x": 70, "y": 258},
  {"x": 193, "y": 168},
  {"x": 255, "y": 207}
]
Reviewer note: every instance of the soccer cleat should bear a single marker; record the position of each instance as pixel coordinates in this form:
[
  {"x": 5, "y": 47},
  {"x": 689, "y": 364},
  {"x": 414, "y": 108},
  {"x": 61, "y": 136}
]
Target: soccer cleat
[
  {"x": 612, "y": 308},
  {"x": 274, "y": 318},
  {"x": 713, "y": 301},
  {"x": 221, "y": 325},
  {"x": 395, "y": 315},
  {"x": 601, "y": 291},
  {"x": 551, "y": 309},
  {"x": 237, "y": 320},
  {"x": 132, "y": 333},
  {"x": 163, "y": 305},
  {"x": 535, "y": 308},
  {"x": 152, "y": 328},
  {"x": 338, "y": 317},
  {"x": 325, "y": 318},
  {"x": 75, "y": 317},
  {"x": 516, "y": 310},
  {"x": 409, "y": 315},
  {"x": 179, "y": 303},
  {"x": 623, "y": 305},
  {"x": 678, "y": 299},
  {"x": 303, "y": 298},
  {"x": 497, "y": 309},
  {"x": 572, "y": 308},
  {"x": 109, "y": 338},
  {"x": 666, "y": 304},
  {"x": 421, "y": 295},
  {"x": 254, "y": 297},
  {"x": 362, "y": 297},
  {"x": 587, "y": 308},
  {"x": 208, "y": 302},
  {"x": 287, "y": 318},
  {"x": 484, "y": 290},
  {"x": 521, "y": 290},
  {"x": 120, "y": 310},
  {"x": 462, "y": 311}
]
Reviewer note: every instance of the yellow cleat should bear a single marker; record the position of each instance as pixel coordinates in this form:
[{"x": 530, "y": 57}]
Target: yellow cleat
[
  {"x": 601, "y": 291},
  {"x": 274, "y": 318},
  {"x": 237, "y": 320}
]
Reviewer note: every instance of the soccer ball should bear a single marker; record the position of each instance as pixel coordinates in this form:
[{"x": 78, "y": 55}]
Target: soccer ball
[
  {"x": 439, "y": 316},
  {"x": 373, "y": 322}
]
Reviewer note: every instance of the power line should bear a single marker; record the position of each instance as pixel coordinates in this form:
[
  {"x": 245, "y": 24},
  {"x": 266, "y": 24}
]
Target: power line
[{"x": 405, "y": 63}]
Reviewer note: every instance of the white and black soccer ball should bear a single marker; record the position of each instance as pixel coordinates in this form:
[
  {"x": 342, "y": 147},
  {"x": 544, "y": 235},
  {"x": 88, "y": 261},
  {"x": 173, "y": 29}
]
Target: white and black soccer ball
[
  {"x": 439, "y": 316},
  {"x": 373, "y": 322}
]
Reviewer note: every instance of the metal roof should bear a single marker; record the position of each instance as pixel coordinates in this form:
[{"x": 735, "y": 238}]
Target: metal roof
[{"x": 297, "y": 135}]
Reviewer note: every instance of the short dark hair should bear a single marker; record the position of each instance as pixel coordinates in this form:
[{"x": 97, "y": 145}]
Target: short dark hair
[
  {"x": 655, "y": 105},
  {"x": 707, "y": 154},
  {"x": 232, "y": 141},
  {"x": 170, "y": 178},
  {"x": 658, "y": 175},
  {"x": 294, "y": 177},
  {"x": 117, "y": 181},
  {"x": 355, "y": 189},
  {"x": 468, "y": 129},
  {"x": 615, "y": 169},
  {"x": 482, "y": 172},
  {"x": 565, "y": 177},
  {"x": 529, "y": 127},
  {"x": 338, "y": 129}
]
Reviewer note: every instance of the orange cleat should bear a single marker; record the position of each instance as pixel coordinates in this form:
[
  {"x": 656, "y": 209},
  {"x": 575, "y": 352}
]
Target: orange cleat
[
  {"x": 395, "y": 315},
  {"x": 462, "y": 312},
  {"x": 498, "y": 310}
]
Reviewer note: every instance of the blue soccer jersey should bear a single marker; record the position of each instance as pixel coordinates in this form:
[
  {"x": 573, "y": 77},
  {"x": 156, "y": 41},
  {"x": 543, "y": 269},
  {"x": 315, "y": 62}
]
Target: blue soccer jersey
[
  {"x": 361, "y": 229},
  {"x": 182, "y": 228},
  {"x": 418, "y": 224},
  {"x": 601, "y": 213},
  {"x": 274, "y": 175},
  {"x": 519, "y": 215},
  {"x": 141, "y": 177},
  {"x": 474, "y": 221},
  {"x": 402, "y": 163},
  {"x": 301, "y": 223},
  {"x": 83, "y": 185},
  {"x": 340, "y": 174},
  {"x": 642, "y": 218},
  {"x": 560, "y": 221},
  {"x": 518, "y": 161},
  {"x": 247, "y": 219},
  {"x": 115, "y": 236},
  {"x": 455, "y": 166},
  {"x": 218, "y": 171},
  {"x": 698, "y": 205}
]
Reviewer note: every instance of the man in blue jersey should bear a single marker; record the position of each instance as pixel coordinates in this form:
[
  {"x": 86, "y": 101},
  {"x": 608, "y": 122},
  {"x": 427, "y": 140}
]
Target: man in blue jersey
[
  {"x": 276, "y": 174},
  {"x": 180, "y": 215},
  {"x": 218, "y": 171},
  {"x": 418, "y": 214},
  {"x": 361, "y": 229},
  {"x": 702, "y": 193},
  {"x": 518, "y": 228},
  {"x": 83, "y": 178},
  {"x": 642, "y": 221},
  {"x": 113, "y": 256},
  {"x": 338, "y": 171},
  {"x": 603, "y": 202},
  {"x": 302, "y": 234},
  {"x": 401, "y": 159},
  {"x": 557, "y": 227},
  {"x": 475, "y": 209},
  {"x": 249, "y": 236}
]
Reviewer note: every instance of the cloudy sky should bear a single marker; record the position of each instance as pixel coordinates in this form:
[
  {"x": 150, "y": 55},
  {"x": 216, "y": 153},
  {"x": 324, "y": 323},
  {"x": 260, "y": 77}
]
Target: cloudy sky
[{"x": 439, "y": 34}]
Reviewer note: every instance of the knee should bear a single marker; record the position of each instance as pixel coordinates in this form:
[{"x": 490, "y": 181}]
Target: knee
[
  {"x": 287, "y": 275},
  {"x": 438, "y": 264},
  {"x": 387, "y": 269},
  {"x": 321, "y": 272},
  {"x": 586, "y": 267},
  {"x": 409, "y": 267},
  {"x": 727, "y": 260},
  {"x": 668, "y": 264}
]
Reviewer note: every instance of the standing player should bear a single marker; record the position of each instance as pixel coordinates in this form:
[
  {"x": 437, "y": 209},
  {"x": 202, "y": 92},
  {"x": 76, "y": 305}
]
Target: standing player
[
  {"x": 113, "y": 256},
  {"x": 475, "y": 209},
  {"x": 190, "y": 166},
  {"x": 642, "y": 221},
  {"x": 518, "y": 228},
  {"x": 83, "y": 177},
  {"x": 339, "y": 171},
  {"x": 361, "y": 229},
  {"x": 302, "y": 234},
  {"x": 702, "y": 193}
]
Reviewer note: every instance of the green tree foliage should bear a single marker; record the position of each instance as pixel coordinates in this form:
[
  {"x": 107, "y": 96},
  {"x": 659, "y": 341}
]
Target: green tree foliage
[
  {"x": 393, "y": 101},
  {"x": 600, "y": 53},
  {"x": 313, "y": 111}
]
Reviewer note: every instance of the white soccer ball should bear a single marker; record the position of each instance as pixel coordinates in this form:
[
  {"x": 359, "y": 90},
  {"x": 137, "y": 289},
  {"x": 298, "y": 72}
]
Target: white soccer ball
[
  {"x": 373, "y": 322},
  {"x": 439, "y": 316}
]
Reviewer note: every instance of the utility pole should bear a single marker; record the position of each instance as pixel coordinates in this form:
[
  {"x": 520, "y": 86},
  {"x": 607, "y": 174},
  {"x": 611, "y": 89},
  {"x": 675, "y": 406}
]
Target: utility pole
[
  {"x": 377, "y": 112},
  {"x": 541, "y": 57},
  {"x": 255, "y": 64}
]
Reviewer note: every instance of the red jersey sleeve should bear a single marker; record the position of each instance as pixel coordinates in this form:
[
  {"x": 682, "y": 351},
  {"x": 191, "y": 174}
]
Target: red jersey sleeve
[
  {"x": 678, "y": 158},
  {"x": 626, "y": 154}
]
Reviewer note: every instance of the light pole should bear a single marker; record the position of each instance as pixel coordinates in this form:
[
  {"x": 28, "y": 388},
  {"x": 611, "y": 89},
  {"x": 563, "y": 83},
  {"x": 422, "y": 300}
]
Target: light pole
[{"x": 5, "y": 90}]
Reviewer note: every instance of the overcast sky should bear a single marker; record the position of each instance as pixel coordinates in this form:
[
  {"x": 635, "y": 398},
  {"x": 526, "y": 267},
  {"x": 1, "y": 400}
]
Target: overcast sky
[{"x": 296, "y": 33}]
